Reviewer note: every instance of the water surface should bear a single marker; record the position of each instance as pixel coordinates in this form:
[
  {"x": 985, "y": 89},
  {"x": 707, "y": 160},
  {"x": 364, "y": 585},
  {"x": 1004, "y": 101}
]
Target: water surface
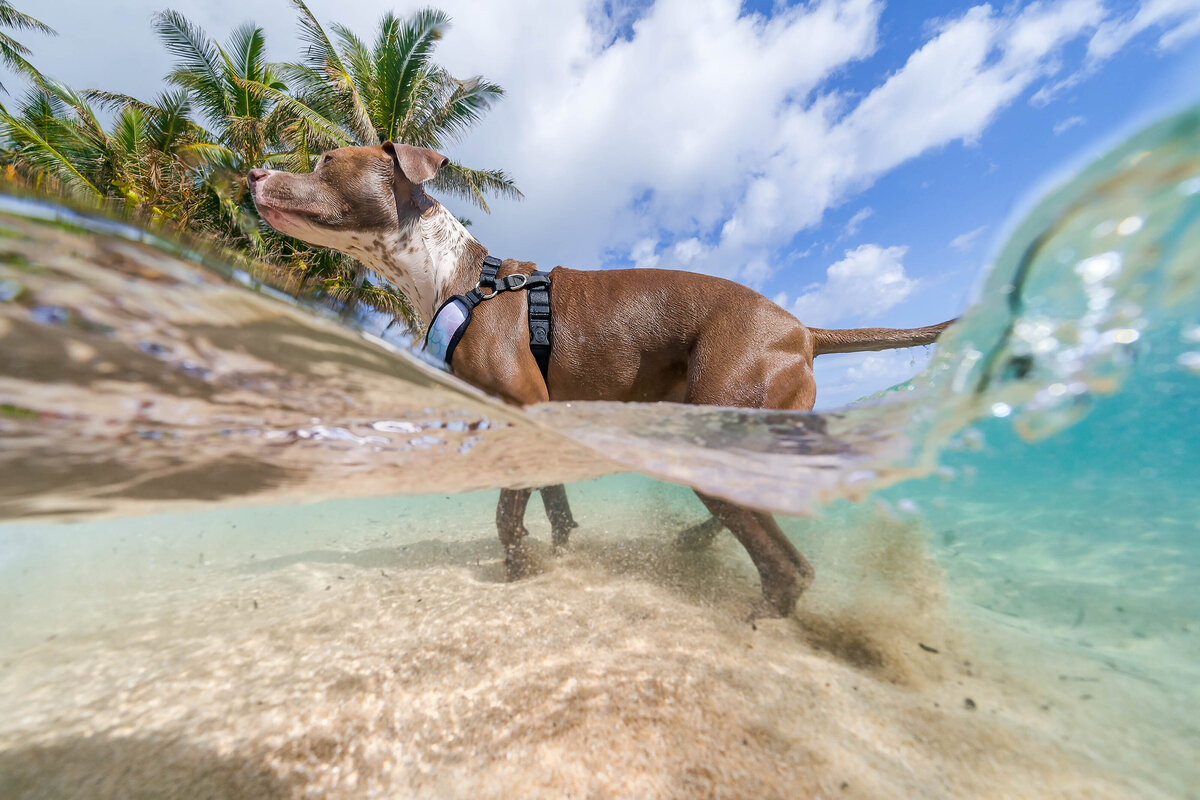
[{"x": 249, "y": 548}]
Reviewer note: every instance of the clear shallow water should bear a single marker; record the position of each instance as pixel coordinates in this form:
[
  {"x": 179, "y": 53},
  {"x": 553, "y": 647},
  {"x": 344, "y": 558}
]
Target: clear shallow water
[{"x": 1015, "y": 528}]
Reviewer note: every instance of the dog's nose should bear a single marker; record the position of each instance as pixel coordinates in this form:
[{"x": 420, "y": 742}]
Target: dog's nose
[{"x": 258, "y": 174}]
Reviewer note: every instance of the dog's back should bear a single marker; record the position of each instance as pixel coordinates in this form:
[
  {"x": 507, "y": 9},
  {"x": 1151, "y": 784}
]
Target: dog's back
[{"x": 666, "y": 335}]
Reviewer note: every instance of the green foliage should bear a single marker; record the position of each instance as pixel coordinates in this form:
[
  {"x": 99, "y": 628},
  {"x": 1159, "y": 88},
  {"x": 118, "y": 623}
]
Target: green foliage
[
  {"x": 180, "y": 161},
  {"x": 12, "y": 52}
]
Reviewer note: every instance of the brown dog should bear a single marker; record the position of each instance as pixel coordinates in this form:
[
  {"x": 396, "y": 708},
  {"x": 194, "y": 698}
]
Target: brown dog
[{"x": 634, "y": 334}]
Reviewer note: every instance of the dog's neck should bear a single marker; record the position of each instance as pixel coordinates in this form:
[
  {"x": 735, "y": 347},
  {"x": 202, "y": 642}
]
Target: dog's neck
[{"x": 429, "y": 258}]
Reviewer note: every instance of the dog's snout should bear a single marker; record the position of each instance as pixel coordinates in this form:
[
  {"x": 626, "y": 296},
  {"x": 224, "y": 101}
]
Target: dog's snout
[{"x": 258, "y": 174}]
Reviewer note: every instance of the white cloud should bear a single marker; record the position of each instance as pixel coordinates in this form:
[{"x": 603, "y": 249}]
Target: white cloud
[
  {"x": 868, "y": 281},
  {"x": 1177, "y": 21},
  {"x": 964, "y": 241},
  {"x": 854, "y": 224},
  {"x": 644, "y": 253},
  {"x": 1062, "y": 126},
  {"x": 1180, "y": 18},
  {"x": 948, "y": 90},
  {"x": 689, "y": 250},
  {"x": 675, "y": 116}
]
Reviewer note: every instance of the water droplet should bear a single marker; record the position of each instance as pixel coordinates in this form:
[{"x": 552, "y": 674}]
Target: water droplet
[
  {"x": 1097, "y": 268},
  {"x": 1129, "y": 225},
  {"x": 1190, "y": 361},
  {"x": 1001, "y": 410},
  {"x": 1126, "y": 335}
]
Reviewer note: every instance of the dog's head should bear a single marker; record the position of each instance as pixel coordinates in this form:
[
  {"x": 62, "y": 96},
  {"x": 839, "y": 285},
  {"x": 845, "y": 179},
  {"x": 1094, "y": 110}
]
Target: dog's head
[{"x": 352, "y": 195}]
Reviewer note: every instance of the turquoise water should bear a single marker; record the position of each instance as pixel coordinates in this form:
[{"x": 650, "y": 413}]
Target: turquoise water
[{"x": 249, "y": 551}]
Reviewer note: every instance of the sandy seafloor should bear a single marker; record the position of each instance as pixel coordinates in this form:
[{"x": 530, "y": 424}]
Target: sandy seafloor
[{"x": 371, "y": 649}]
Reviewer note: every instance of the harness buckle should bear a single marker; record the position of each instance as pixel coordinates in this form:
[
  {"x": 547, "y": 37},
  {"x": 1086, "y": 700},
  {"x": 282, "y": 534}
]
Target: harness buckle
[{"x": 512, "y": 283}]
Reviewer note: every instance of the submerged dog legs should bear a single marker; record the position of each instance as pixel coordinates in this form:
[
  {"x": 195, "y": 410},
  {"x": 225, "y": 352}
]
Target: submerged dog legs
[
  {"x": 784, "y": 572},
  {"x": 510, "y": 523},
  {"x": 558, "y": 511}
]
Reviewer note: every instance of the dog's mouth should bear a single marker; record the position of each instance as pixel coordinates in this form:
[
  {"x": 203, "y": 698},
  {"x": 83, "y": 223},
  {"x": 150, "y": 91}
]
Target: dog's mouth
[{"x": 276, "y": 214}]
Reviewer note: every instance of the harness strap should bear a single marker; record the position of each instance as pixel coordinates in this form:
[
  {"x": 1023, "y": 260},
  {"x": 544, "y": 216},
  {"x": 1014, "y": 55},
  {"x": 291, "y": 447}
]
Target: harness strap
[
  {"x": 487, "y": 275},
  {"x": 452, "y": 318},
  {"x": 539, "y": 321}
]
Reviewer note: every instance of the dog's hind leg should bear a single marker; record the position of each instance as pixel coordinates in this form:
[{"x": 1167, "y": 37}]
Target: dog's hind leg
[
  {"x": 699, "y": 536},
  {"x": 558, "y": 511},
  {"x": 510, "y": 522},
  {"x": 785, "y": 573}
]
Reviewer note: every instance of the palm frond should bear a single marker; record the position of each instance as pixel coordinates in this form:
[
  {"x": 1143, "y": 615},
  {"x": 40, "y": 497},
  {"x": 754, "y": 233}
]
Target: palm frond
[
  {"x": 114, "y": 101},
  {"x": 361, "y": 62},
  {"x": 199, "y": 65},
  {"x": 12, "y": 55},
  {"x": 244, "y": 62},
  {"x": 46, "y": 157},
  {"x": 401, "y": 54},
  {"x": 207, "y": 154},
  {"x": 473, "y": 184},
  {"x": 322, "y": 58},
  {"x": 460, "y": 104},
  {"x": 86, "y": 126},
  {"x": 315, "y": 126},
  {"x": 129, "y": 129},
  {"x": 170, "y": 124},
  {"x": 11, "y": 18}
]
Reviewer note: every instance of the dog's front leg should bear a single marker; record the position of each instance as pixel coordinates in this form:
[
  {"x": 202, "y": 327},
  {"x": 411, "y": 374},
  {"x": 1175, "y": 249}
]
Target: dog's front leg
[
  {"x": 510, "y": 522},
  {"x": 558, "y": 511}
]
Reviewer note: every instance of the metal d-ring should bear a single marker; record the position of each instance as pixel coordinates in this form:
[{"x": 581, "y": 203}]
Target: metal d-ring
[{"x": 501, "y": 287}]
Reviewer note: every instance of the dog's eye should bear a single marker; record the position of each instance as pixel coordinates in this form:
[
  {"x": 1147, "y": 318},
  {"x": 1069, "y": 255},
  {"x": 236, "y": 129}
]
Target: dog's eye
[{"x": 327, "y": 159}]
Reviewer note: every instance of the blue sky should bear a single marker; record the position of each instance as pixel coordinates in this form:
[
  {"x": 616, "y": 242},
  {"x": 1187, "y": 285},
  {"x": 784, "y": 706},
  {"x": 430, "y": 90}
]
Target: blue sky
[{"x": 856, "y": 161}]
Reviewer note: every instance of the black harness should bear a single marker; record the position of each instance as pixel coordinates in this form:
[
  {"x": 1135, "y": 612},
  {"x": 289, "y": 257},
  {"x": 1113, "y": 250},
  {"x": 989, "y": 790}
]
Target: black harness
[{"x": 453, "y": 316}]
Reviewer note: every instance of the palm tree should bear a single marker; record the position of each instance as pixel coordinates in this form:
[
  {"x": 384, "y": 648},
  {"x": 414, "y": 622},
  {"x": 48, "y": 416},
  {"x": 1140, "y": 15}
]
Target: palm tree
[
  {"x": 241, "y": 131},
  {"x": 237, "y": 93},
  {"x": 56, "y": 141},
  {"x": 152, "y": 140},
  {"x": 12, "y": 52},
  {"x": 352, "y": 93}
]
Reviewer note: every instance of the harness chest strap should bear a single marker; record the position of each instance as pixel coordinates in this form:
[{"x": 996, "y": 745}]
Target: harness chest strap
[{"x": 452, "y": 318}]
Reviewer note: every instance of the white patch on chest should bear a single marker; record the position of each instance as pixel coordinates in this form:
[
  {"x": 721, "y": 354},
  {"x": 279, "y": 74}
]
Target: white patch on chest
[{"x": 420, "y": 259}]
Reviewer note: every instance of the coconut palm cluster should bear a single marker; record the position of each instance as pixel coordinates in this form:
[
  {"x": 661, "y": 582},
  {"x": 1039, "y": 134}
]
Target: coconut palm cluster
[{"x": 179, "y": 160}]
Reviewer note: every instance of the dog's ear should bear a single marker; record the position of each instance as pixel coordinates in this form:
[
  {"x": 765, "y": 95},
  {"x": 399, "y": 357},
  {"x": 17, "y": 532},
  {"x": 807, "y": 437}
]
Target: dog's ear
[{"x": 417, "y": 164}]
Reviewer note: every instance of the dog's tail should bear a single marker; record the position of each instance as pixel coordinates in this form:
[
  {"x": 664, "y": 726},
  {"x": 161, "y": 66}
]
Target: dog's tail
[{"x": 854, "y": 340}]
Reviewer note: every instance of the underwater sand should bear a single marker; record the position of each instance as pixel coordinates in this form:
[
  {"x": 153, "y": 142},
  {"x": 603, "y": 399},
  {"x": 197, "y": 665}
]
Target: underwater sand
[{"x": 397, "y": 663}]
